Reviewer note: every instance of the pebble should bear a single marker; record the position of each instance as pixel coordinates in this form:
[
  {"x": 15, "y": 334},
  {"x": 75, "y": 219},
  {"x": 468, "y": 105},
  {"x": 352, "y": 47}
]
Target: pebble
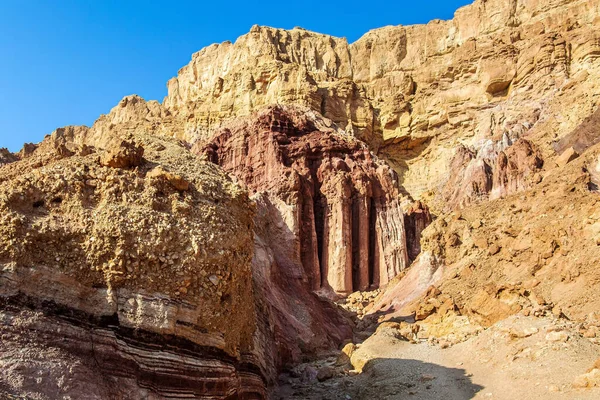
[
  {"x": 214, "y": 279},
  {"x": 557, "y": 336}
]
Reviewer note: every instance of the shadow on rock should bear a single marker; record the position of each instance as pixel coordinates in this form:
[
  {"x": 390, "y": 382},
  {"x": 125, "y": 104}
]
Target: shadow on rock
[{"x": 384, "y": 378}]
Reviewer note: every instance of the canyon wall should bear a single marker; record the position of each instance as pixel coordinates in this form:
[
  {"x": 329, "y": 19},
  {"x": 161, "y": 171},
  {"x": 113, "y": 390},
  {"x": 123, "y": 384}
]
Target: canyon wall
[
  {"x": 335, "y": 206},
  {"x": 119, "y": 277},
  {"x": 499, "y": 70},
  {"x": 130, "y": 258}
]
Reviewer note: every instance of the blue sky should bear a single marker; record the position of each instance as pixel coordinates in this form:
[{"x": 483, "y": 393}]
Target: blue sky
[{"x": 66, "y": 62}]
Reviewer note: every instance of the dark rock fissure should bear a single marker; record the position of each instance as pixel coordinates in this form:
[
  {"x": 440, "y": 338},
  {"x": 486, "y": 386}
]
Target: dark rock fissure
[
  {"x": 183, "y": 379},
  {"x": 319, "y": 204},
  {"x": 372, "y": 224},
  {"x": 355, "y": 227}
]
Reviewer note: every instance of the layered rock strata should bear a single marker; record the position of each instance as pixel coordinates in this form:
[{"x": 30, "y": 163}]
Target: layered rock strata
[
  {"x": 116, "y": 282},
  {"x": 335, "y": 206},
  {"x": 413, "y": 93}
]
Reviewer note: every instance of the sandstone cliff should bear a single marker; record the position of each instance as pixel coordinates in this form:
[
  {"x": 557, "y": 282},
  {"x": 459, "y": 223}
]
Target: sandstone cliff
[
  {"x": 129, "y": 254},
  {"x": 494, "y": 74},
  {"x": 119, "y": 277},
  {"x": 497, "y": 72}
]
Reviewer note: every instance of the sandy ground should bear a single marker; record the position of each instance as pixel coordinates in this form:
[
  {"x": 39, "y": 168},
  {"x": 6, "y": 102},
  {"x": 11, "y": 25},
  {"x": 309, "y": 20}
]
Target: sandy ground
[{"x": 519, "y": 358}]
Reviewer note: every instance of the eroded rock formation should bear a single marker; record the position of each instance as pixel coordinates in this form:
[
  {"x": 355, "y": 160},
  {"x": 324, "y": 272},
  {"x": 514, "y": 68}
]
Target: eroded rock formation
[
  {"x": 115, "y": 284},
  {"x": 531, "y": 254},
  {"x": 7, "y": 157},
  {"x": 415, "y": 94},
  {"x": 416, "y": 219},
  {"x": 336, "y": 206},
  {"x": 490, "y": 172},
  {"x": 412, "y": 93},
  {"x": 126, "y": 257}
]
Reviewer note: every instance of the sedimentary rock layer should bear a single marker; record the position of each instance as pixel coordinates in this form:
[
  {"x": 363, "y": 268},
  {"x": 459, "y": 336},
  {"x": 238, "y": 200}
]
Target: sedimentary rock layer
[
  {"x": 125, "y": 274},
  {"x": 413, "y": 93},
  {"x": 335, "y": 205}
]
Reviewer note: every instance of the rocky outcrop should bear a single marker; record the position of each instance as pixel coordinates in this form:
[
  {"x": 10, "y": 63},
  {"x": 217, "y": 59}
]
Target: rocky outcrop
[
  {"x": 583, "y": 137},
  {"x": 531, "y": 254},
  {"x": 490, "y": 172},
  {"x": 6, "y": 156},
  {"x": 335, "y": 206},
  {"x": 412, "y": 93},
  {"x": 115, "y": 284},
  {"x": 516, "y": 169}
]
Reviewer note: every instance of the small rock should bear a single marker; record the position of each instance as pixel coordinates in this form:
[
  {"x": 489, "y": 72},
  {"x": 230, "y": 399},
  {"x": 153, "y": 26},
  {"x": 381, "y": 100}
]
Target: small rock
[
  {"x": 481, "y": 242},
  {"x": 427, "y": 377},
  {"x": 557, "y": 311},
  {"x": 214, "y": 279},
  {"x": 346, "y": 354},
  {"x": 522, "y": 333},
  {"x": 309, "y": 374},
  {"x": 178, "y": 182},
  {"x": 566, "y": 157},
  {"x": 560, "y": 336},
  {"x": 127, "y": 154},
  {"x": 591, "y": 379},
  {"x": 590, "y": 333},
  {"x": 494, "y": 249},
  {"x": 424, "y": 311},
  {"x": 325, "y": 373}
]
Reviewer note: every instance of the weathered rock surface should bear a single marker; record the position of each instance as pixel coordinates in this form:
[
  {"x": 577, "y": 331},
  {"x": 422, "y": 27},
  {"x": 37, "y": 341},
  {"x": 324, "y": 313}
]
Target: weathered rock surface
[
  {"x": 125, "y": 257},
  {"x": 583, "y": 137},
  {"x": 416, "y": 219},
  {"x": 532, "y": 253},
  {"x": 335, "y": 205},
  {"x": 105, "y": 288},
  {"x": 490, "y": 172},
  {"x": 414, "y": 94},
  {"x": 7, "y": 157}
]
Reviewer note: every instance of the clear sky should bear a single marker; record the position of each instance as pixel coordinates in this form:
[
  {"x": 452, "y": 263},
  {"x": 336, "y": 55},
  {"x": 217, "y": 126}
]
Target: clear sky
[{"x": 65, "y": 62}]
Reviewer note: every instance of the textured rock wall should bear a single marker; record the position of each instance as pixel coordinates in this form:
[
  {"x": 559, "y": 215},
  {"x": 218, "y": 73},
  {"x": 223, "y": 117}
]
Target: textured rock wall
[
  {"x": 532, "y": 253},
  {"x": 499, "y": 70},
  {"x": 490, "y": 172},
  {"x": 123, "y": 277},
  {"x": 464, "y": 110},
  {"x": 416, "y": 219},
  {"x": 413, "y": 93},
  {"x": 335, "y": 206}
]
